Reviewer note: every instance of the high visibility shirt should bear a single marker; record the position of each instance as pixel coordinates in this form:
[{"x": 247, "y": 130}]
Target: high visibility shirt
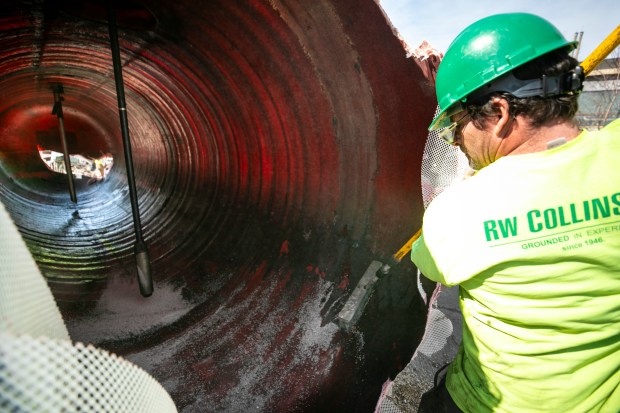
[{"x": 533, "y": 240}]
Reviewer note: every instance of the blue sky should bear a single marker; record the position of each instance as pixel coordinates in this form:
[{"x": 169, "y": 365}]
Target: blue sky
[{"x": 439, "y": 21}]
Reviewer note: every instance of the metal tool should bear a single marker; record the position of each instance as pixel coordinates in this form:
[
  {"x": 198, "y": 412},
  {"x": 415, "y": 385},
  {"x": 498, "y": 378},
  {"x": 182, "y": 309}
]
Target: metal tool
[
  {"x": 355, "y": 304},
  {"x": 57, "y": 110},
  {"x": 143, "y": 262}
]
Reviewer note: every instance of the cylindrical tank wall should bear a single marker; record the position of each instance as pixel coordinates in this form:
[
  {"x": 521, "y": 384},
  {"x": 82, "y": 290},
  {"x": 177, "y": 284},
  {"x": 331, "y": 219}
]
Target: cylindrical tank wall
[{"x": 277, "y": 149}]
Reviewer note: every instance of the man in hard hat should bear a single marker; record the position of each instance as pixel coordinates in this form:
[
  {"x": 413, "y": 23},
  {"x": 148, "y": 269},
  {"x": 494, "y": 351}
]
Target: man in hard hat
[{"x": 533, "y": 238}]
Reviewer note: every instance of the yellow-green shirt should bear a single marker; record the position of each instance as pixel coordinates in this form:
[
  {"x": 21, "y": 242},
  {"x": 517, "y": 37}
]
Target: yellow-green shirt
[{"x": 534, "y": 242}]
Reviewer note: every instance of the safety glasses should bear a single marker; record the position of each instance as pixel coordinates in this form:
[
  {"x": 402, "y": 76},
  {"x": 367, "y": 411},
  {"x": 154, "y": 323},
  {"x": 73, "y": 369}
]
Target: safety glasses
[{"x": 448, "y": 133}]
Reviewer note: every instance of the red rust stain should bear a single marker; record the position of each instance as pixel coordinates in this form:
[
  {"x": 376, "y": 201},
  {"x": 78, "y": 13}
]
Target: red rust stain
[
  {"x": 256, "y": 279},
  {"x": 284, "y": 248},
  {"x": 281, "y": 286},
  {"x": 306, "y": 290}
]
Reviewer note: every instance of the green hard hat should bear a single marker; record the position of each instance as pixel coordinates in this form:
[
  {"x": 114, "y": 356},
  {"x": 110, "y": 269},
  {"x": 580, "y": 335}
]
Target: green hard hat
[{"x": 486, "y": 50}]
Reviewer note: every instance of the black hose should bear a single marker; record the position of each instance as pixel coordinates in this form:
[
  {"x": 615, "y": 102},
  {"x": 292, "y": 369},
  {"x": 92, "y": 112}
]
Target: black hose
[{"x": 145, "y": 279}]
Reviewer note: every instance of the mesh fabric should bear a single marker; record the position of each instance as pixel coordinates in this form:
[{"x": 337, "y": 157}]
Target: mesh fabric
[{"x": 41, "y": 370}]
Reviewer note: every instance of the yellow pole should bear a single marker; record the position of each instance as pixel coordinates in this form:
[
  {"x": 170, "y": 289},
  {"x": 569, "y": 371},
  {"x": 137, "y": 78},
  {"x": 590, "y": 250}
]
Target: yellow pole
[
  {"x": 601, "y": 52},
  {"x": 406, "y": 249}
]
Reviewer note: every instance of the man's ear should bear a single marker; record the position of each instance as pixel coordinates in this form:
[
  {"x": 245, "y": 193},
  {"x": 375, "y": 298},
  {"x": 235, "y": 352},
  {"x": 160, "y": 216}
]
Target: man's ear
[{"x": 502, "y": 127}]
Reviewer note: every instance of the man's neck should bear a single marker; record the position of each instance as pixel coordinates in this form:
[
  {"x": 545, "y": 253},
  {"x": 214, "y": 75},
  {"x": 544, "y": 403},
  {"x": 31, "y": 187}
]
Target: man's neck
[{"x": 529, "y": 139}]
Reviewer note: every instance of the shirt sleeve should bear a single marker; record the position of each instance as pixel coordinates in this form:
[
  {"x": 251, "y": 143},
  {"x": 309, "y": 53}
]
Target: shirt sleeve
[
  {"x": 440, "y": 251},
  {"x": 424, "y": 261}
]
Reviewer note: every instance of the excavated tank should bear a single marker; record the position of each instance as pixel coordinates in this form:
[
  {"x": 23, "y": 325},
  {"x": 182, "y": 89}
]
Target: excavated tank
[{"x": 277, "y": 149}]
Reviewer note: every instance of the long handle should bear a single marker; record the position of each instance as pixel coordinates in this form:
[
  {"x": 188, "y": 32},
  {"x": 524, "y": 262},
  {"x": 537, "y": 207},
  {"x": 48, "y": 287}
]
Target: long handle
[
  {"x": 57, "y": 110},
  {"x": 145, "y": 280},
  {"x": 602, "y": 50}
]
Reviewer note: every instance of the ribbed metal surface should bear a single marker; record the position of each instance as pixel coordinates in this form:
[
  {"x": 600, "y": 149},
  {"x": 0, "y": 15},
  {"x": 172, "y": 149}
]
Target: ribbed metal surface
[{"x": 277, "y": 149}]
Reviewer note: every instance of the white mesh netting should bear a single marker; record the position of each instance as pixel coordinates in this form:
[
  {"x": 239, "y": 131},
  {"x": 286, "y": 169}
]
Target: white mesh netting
[
  {"x": 442, "y": 165},
  {"x": 40, "y": 369},
  {"x": 55, "y": 376},
  {"x": 26, "y": 303}
]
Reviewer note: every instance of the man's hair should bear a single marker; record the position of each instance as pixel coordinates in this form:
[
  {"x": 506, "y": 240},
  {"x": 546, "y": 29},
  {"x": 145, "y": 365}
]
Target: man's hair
[{"x": 538, "y": 109}]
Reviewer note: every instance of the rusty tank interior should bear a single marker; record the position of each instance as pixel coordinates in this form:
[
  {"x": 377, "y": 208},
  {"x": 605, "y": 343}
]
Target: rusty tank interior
[{"x": 277, "y": 149}]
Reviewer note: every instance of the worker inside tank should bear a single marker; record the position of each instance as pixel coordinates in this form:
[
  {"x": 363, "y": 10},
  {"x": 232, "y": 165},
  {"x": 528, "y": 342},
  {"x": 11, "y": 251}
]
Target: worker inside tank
[{"x": 533, "y": 238}]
